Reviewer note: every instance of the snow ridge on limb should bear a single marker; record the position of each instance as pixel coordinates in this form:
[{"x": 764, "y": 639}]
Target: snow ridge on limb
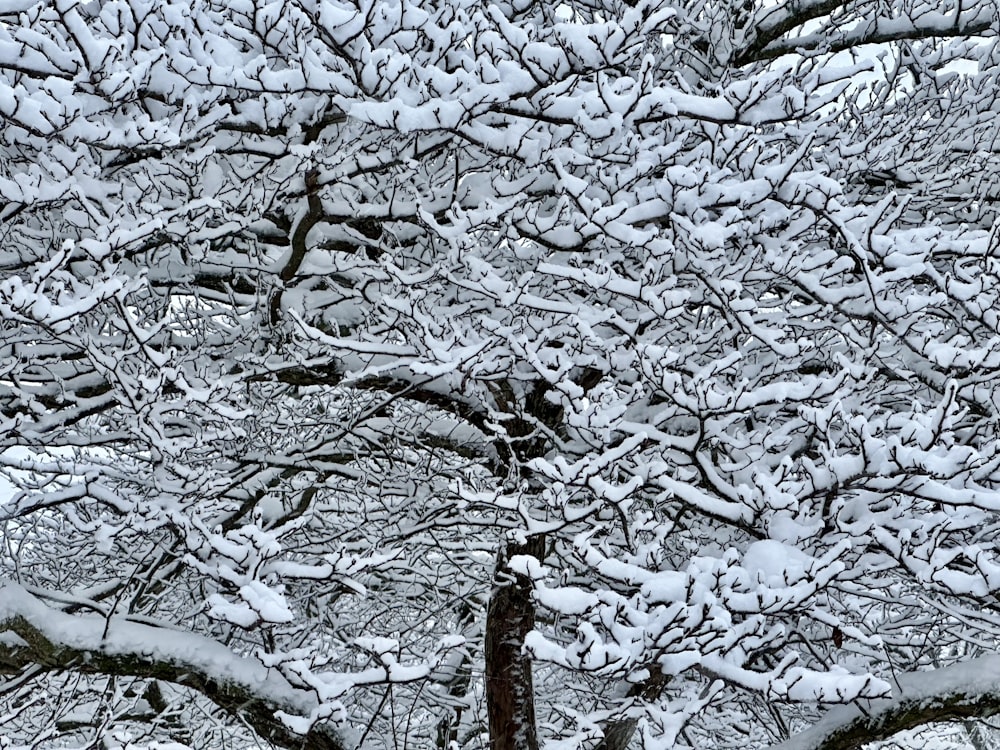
[
  {"x": 765, "y": 36},
  {"x": 32, "y": 633},
  {"x": 961, "y": 691}
]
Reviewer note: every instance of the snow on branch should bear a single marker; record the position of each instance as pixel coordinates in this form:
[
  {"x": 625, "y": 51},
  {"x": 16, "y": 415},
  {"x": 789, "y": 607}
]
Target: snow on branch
[
  {"x": 765, "y": 42},
  {"x": 961, "y": 691},
  {"x": 881, "y": 31},
  {"x": 32, "y": 633},
  {"x": 779, "y": 20}
]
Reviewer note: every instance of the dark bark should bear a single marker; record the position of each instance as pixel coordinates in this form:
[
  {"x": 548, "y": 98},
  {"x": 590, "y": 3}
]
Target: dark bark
[
  {"x": 457, "y": 685},
  {"x": 882, "y": 723},
  {"x": 236, "y": 699},
  {"x": 765, "y": 42},
  {"x": 763, "y": 35},
  {"x": 510, "y": 699},
  {"x": 297, "y": 241},
  {"x": 617, "y": 734}
]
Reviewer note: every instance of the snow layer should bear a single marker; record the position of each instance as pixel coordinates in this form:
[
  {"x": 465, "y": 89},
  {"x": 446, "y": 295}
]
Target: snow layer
[
  {"x": 963, "y": 681},
  {"x": 118, "y": 637}
]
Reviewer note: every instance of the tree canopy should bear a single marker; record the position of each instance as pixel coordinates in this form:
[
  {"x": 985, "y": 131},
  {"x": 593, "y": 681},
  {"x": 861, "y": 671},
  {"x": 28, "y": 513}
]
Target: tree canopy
[{"x": 503, "y": 375}]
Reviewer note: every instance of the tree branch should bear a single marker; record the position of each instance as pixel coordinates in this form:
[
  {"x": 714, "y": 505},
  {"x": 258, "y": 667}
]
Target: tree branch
[
  {"x": 32, "y": 633},
  {"x": 875, "y": 33},
  {"x": 767, "y": 45},
  {"x": 778, "y": 22},
  {"x": 962, "y": 691}
]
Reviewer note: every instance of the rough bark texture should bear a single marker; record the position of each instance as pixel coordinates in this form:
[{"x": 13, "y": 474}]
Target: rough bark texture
[{"x": 509, "y": 688}]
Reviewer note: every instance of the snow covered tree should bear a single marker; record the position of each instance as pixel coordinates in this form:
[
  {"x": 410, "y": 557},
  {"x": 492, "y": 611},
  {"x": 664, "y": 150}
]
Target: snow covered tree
[{"x": 469, "y": 374}]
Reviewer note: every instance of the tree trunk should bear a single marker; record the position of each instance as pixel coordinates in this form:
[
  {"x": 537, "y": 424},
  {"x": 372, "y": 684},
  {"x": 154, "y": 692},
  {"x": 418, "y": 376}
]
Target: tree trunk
[
  {"x": 457, "y": 686},
  {"x": 618, "y": 733},
  {"x": 510, "y": 699}
]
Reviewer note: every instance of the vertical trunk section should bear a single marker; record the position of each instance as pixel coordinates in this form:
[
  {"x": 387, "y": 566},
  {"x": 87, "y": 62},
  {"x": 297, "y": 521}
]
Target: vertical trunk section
[
  {"x": 457, "y": 686},
  {"x": 617, "y": 734},
  {"x": 510, "y": 697}
]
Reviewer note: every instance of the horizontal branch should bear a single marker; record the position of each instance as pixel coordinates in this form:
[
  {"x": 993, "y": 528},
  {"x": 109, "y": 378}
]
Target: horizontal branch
[
  {"x": 33, "y": 634},
  {"x": 777, "y": 22},
  {"x": 768, "y": 45},
  {"x": 961, "y": 691}
]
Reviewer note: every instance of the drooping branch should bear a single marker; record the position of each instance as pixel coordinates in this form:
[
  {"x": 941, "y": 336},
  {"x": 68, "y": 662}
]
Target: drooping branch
[
  {"x": 33, "y": 634},
  {"x": 962, "y": 691}
]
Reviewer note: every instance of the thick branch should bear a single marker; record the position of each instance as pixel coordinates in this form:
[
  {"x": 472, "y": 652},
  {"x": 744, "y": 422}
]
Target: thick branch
[
  {"x": 510, "y": 692},
  {"x": 874, "y": 33},
  {"x": 962, "y": 691},
  {"x": 778, "y": 22},
  {"x": 32, "y": 633},
  {"x": 766, "y": 42},
  {"x": 297, "y": 242},
  {"x": 618, "y": 733}
]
